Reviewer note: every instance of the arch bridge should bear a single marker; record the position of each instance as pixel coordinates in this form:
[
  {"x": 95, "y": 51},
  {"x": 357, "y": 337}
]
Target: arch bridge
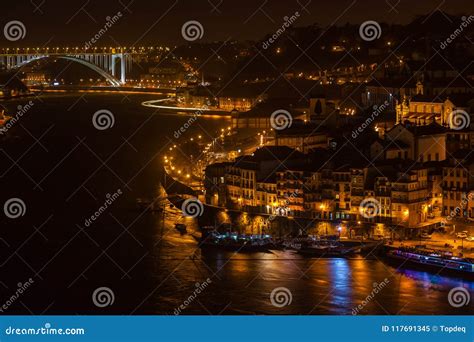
[{"x": 102, "y": 61}]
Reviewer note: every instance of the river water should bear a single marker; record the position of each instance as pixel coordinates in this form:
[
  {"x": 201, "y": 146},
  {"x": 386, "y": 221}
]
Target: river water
[{"x": 63, "y": 168}]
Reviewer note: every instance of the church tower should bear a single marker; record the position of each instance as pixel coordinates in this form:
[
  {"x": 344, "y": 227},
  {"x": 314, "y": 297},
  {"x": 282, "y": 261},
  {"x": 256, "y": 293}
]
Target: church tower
[{"x": 402, "y": 109}]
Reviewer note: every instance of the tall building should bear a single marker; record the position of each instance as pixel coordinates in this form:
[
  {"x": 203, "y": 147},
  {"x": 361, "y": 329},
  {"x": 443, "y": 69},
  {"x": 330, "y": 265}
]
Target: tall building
[{"x": 458, "y": 185}]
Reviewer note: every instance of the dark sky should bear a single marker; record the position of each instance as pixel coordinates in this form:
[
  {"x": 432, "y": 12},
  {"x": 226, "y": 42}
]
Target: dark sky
[{"x": 147, "y": 22}]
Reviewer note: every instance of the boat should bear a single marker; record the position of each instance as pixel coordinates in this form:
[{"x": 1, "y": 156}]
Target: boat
[
  {"x": 326, "y": 250},
  {"x": 235, "y": 242},
  {"x": 440, "y": 262},
  {"x": 316, "y": 246},
  {"x": 298, "y": 242},
  {"x": 180, "y": 227}
]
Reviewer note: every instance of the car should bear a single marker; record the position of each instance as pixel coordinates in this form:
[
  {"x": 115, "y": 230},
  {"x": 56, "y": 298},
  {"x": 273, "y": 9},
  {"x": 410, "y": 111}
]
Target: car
[
  {"x": 425, "y": 236},
  {"x": 470, "y": 238}
]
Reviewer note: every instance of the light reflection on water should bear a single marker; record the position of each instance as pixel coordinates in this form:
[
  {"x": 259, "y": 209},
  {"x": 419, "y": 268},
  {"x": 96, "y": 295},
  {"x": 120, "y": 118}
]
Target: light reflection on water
[{"x": 242, "y": 283}]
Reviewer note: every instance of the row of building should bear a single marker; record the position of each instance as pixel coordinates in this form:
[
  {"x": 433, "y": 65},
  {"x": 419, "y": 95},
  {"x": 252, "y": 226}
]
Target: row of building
[{"x": 416, "y": 183}]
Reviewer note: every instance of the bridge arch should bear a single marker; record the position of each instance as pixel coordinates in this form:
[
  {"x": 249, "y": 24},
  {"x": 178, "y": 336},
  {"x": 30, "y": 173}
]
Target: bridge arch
[{"x": 111, "y": 79}]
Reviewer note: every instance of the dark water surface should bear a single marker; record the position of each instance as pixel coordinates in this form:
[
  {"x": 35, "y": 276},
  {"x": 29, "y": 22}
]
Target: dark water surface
[{"x": 65, "y": 175}]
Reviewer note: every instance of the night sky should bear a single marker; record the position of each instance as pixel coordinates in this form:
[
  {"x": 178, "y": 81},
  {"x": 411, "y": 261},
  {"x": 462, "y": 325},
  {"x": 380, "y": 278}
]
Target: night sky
[{"x": 146, "y": 22}]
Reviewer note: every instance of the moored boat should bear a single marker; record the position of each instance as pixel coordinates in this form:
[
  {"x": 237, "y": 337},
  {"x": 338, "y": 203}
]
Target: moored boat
[
  {"x": 440, "y": 262},
  {"x": 326, "y": 250},
  {"x": 235, "y": 242},
  {"x": 298, "y": 242}
]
